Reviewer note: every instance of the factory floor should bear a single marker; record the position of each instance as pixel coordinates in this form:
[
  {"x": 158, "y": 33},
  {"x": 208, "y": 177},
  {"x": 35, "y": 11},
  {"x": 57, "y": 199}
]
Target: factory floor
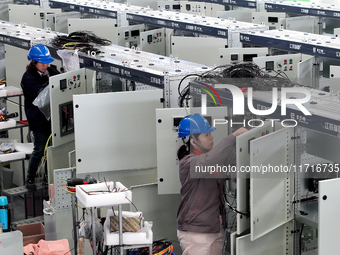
[
  {"x": 18, "y": 208},
  {"x": 24, "y": 212},
  {"x": 19, "y": 215}
]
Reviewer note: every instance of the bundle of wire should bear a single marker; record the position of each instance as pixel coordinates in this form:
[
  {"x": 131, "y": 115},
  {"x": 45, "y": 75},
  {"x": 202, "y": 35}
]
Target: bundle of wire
[
  {"x": 160, "y": 247},
  {"x": 71, "y": 189},
  {"x": 240, "y": 75},
  {"x": 84, "y": 41}
]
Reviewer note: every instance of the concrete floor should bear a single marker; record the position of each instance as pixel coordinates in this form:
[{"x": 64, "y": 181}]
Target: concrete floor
[
  {"x": 19, "y": 215},
  {"x": 19, "y": 208}
]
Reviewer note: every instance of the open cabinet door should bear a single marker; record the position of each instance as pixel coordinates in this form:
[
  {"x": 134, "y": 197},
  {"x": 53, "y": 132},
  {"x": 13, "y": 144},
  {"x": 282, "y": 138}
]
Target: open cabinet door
[
  {"x": 271, "y": 182},
  {"x": 329, "y": 224},
  {"x": 116, "y": 131},
  {"x": 276, "y": 242},
  {"x": 243, "y": 160}
]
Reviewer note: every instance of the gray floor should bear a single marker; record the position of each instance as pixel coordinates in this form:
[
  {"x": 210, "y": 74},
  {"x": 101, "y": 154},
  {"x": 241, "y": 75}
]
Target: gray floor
[
  {"x": 18, "y": 212},
  {"x": 19, "y": 215},
  {"x": 18, "y": 208}
]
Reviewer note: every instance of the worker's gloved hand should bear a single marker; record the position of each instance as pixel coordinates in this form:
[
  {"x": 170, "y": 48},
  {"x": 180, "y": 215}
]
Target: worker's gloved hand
[{"x": 240, "y": 131}]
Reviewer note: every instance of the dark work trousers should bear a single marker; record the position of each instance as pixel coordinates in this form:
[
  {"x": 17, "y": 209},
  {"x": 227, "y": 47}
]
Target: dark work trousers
[{"x": 40, "y": 140}]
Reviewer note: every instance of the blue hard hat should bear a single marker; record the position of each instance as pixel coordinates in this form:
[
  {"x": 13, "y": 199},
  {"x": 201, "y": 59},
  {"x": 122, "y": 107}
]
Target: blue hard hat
[
  {"x": 193, "y": 124},
  {"x": 40, "y": 53}
]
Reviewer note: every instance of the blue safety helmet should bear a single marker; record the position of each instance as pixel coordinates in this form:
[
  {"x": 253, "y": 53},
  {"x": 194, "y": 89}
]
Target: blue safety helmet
[
  {"x": 193, "y": 124},
  {"x": 40, "y": 53}
]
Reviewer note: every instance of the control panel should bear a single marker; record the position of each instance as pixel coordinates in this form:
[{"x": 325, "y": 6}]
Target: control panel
[
  {"x": 30, "y": 14},
  {"x": 169, "y": 5},
  {"x": 193, "y": 7},
  {"x": 239, "y": 55},
  {"x": 70, "y": 83},
  {"x": 129, "y": 36},
  {"x": 207, "y": 9},
  {"x": 271, "y": 19},
  {"x": 280, "y": 63},
  {"x": 182, "y": 6},
  {"x": 63, "y": 87},
  {"x": 153, "y": 41}
]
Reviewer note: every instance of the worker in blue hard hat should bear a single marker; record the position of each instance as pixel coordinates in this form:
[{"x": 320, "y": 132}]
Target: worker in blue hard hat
[
  {"x": 33, "y": 81},
  {"x": 201, "y": 213}
]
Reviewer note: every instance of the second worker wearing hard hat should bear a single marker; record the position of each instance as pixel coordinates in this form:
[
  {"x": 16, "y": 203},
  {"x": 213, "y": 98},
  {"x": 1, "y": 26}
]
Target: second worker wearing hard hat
[
  {"x": 200, "y": 215},
  {"x": 33, "y": 81}
]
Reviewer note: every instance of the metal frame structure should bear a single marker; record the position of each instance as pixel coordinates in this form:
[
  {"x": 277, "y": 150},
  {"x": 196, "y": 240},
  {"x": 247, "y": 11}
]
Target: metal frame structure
[
  {"x": 236, "y": 32},
  {"x": 182, "y": 21},
  {"x": 131, "y": 64},
  {"x": 323, "y": 106},
  {"x": 240, "y": 3},
  {"x": 163, "y": 72},
  {"x": 301, "y": 42},
  {"x": 309, "y": 142},
  {"x": 302, "y": 8}
]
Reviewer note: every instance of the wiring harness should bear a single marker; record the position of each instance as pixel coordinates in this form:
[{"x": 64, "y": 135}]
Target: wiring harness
[
  {"x": 160, "y": 247},
  {"x": 84, "y": 41},
  {"x": 240, "y": 75}
]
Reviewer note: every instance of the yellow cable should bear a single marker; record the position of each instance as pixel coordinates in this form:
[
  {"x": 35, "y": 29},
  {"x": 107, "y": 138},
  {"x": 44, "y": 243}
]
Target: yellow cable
[
  {"x": 79, "y": 206},
  {"x": 44, "y": 157},
  {"x": 71, "y": 45},
  {"x": 72, "y": 192},
  {"x": 163, "y": 251},
  {"x": 47, "y": 144},
  {"x": 186, "y": 110}
]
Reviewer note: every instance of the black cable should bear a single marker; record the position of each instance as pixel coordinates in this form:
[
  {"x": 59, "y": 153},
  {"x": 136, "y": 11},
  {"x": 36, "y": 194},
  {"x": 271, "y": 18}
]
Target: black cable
[
  {"x": 241, "y": 75},
  {"x": 157, "y": 247},
  {"x": 84, "y": 41},
  {"x": 185, "y": 91},
  {"x": 80, "y": 37},
  {"x": 230, "y": 206},
  {"x": 69, "y": 251}
]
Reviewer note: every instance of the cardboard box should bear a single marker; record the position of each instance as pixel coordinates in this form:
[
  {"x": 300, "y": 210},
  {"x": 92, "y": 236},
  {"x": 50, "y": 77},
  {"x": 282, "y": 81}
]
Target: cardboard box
[{"x": 32, "y": 233}]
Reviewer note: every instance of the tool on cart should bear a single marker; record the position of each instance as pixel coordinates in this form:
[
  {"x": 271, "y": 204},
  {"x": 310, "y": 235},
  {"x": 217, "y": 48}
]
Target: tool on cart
[{"x": 79, "y": 181}]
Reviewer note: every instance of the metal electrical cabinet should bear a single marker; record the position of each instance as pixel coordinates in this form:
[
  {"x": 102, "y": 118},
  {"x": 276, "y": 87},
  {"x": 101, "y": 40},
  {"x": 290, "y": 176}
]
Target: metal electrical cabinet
[
  {"x": 187, "y": 48},
  {"x": 271, "y": 190},
  {"x": 279, "y": 198},
  {"x": 276, "y": 191},
  {"x": 62, "y": 89},
  {"x": 329, "y": 231},
  {"x": 126, "y": 36},
  {"x": 167, "y": 121},
  {"x": 116, "y": 131},
  {"x": 243, "y": 159},
  {"x": 33, "y": 15},
  {"x": 262, "y": 195}
]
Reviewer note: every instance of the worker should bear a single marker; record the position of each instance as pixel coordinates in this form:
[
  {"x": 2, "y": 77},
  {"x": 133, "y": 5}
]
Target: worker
[
  {"x": 200, "y": 217},
  {"x": 33, "y": 81}
]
